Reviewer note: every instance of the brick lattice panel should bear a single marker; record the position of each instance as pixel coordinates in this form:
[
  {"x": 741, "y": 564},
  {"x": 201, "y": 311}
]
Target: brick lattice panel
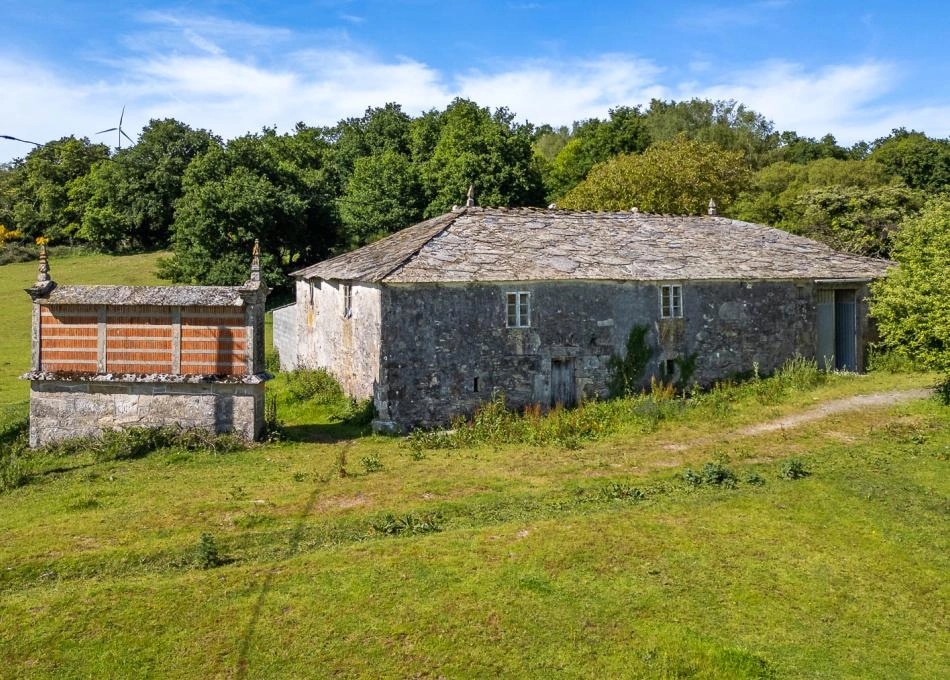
[
  {"x": 213, "y": 340},
  {"x": 139, "y": 340},
  {"x": 142, "y": 339},
  {"x": 69, "y": 339}
]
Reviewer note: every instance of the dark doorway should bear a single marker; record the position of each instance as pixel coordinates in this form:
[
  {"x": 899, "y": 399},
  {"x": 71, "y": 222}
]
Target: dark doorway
[
  {"x": 837, "y": 330},
  {"x": 845, "y": 331},
  {"x": 563, "y": 387}
]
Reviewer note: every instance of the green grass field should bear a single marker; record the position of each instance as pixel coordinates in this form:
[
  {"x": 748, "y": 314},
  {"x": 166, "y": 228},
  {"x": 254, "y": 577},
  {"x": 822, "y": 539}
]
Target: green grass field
[{"x": 507, "y": 561}]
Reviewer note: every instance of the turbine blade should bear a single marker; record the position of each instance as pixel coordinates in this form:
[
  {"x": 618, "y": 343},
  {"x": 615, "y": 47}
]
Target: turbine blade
[
  {"x": 126, "y": 136},
  {"x": 121, "y": 116},
  {"x": 109, "y": 130}
]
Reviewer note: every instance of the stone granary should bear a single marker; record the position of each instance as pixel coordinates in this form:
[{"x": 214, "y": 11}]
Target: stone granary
[
  {"x": 110, "y": 357},
  {"x": 434, "y": 319}
]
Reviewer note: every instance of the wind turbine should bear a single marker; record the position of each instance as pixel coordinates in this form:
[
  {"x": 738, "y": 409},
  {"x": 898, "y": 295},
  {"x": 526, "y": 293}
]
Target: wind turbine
[{"x": 119, "y": 128}]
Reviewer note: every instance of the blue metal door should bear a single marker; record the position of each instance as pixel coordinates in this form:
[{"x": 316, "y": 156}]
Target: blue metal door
[{"x": 845, "y": 331}]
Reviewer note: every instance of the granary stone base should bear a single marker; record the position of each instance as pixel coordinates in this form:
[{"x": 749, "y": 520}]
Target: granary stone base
[{"x": 60, "y": 409}]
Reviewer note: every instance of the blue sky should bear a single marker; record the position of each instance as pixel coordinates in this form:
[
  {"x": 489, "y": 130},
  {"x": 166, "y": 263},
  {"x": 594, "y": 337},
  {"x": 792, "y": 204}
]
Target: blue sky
[{"x": 854, "y": 69}]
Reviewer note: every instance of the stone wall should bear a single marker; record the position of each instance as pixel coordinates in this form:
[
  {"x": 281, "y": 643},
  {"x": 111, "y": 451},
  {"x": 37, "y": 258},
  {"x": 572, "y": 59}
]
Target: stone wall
[
  {"x": 346, "y": 344},
  {"x": 446, "y": 347},
  {"x": 60, "y": 409},
  {"x": 285, "y": 335}
]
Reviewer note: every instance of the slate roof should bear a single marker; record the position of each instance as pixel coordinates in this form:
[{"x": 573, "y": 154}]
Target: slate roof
[
  {"x": 526, "y": 244},
  {"x": 185, "y": 296}
]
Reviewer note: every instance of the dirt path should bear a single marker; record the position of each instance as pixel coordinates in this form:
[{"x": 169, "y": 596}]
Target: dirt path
[
  {"x": 818, "y": 412},
  {"x": 837, "y": 406}
]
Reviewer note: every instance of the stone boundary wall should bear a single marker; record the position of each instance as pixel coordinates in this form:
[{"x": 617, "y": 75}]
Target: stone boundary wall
[
  {"x": 60, "y": 409},
  {"x": 285, "y": 335}
]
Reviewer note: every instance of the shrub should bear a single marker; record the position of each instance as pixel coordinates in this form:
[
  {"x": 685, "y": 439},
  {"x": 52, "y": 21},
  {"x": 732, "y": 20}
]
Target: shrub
[
  {"x": 354, "y": 412},
  {"x": 942, "y": 390},
  {"x": 800, "y": 373},
  {"x": 883, "y": 360},
  {"x": 371, "y": 463},
  {"x": 753, "y": 478},
  {"x": 717, "y": 473},
  {"x": 206, "y": 554},
  {"x": 313, "y": 384},
  {"x": 793, "y": 468},
  {"x": 627, "y": 371}
]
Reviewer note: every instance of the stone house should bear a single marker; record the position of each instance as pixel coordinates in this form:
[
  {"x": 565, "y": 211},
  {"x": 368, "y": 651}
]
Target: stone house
[
  {"x": 109, "y": 357},
  {"x": 434, "y": 319}
]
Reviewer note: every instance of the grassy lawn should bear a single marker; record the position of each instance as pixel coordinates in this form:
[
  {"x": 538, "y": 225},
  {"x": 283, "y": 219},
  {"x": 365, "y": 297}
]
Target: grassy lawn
[{"x": 507, "y": 560}]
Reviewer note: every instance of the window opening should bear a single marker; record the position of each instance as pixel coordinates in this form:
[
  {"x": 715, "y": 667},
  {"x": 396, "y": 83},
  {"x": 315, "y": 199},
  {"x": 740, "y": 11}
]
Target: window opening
[
  {"x": 671, "y": 301},
  {"x": 519, "y": 310},
  {"x": 347, "y": 300},
  {"x": 669, "y": 367},
  {"x": 475, "y": 384}
]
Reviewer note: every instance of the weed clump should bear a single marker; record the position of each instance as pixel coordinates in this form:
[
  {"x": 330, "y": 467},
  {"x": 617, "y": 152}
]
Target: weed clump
[
  {"x": 793, "y": 468},
  {"x": 313, "y": 384},
  {"x": 942, "y": 390},
  {"x": 371, "y": 463},
  {"x": 412, "y": 523},
  {"x": 712, "y": 473},
  {"x": 618, "y": 491},
  {"x": 206, "y": 554},
  {"x": 136, "y": 442}
]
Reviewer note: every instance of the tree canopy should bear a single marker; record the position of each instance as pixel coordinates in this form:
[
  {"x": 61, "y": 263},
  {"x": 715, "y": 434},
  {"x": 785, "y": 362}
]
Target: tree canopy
[
  {"x": 679, "y": 176},
  {"x": 912, "y": 303}
]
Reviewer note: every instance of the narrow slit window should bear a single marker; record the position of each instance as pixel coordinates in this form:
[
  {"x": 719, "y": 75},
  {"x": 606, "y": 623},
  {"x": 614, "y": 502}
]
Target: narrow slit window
[
  {"x": 671, "y": 301},
  {"x": 347, "y": 300},
  {"x": 475, "y": 384},
  {"x": 519, "y": 310}
]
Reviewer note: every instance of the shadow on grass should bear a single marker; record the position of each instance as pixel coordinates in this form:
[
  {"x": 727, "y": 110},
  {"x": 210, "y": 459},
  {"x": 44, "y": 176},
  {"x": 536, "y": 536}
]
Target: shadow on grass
[{"x": 325, "y": 433}]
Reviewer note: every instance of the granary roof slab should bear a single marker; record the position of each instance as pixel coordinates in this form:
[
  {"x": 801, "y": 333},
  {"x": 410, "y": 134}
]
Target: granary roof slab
[
  {"x": 163, "y": 296},
  {"x": 523, "y": 244}
]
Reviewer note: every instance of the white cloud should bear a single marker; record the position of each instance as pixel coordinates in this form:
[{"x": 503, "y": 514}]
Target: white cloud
[
  {"x": 806, "y": 101},
  {"x": 561, "y": 93}
]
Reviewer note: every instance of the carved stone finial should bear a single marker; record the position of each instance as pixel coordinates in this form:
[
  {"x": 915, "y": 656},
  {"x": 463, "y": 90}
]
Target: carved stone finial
[
  {"x": 42, "y": 275},
  {"x": 44, "y": 283},
  {"x": 470, "y": 199},
  {"x": 256, "y": 262},
  {"x": 712, "y": 208}
]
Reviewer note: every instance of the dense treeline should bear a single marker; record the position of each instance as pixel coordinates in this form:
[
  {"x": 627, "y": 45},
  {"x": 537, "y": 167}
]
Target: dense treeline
[{"x": 322, "y": 190}]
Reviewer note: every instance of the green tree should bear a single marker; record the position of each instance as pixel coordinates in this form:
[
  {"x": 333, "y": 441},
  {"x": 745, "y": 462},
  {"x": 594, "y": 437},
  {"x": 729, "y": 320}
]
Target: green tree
[
  {"x": 796, "y": 149},
  {"x": 922, "y": 163},
  {"x": 382, "y": 196},
  {"x": 473, "y": 146},
  {"x": 774, "y": 196},
  {"x": 678, "y": 176},
  {"x": 34, "y": 191},
  {"x": 594, "y": 141},
  {"x": 857, "y": 220},
  {"x": 380, "y": 129},
  {"x": 728, "y": 124},
  {"x": 912, "y": 303},
  {"x": 130, "y": 198},
  {"x": 276, "y": 188}
]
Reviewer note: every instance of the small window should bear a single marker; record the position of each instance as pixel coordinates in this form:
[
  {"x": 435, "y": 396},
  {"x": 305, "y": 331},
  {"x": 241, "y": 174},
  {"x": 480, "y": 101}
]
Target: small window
[
  {"x": 671, "y": 302},
  {"x": 669, "y": 368},
  {"x": 475, "y": 384},
  {"x": 347, "y": 300},
  {"x": 519, "y": 310}
]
